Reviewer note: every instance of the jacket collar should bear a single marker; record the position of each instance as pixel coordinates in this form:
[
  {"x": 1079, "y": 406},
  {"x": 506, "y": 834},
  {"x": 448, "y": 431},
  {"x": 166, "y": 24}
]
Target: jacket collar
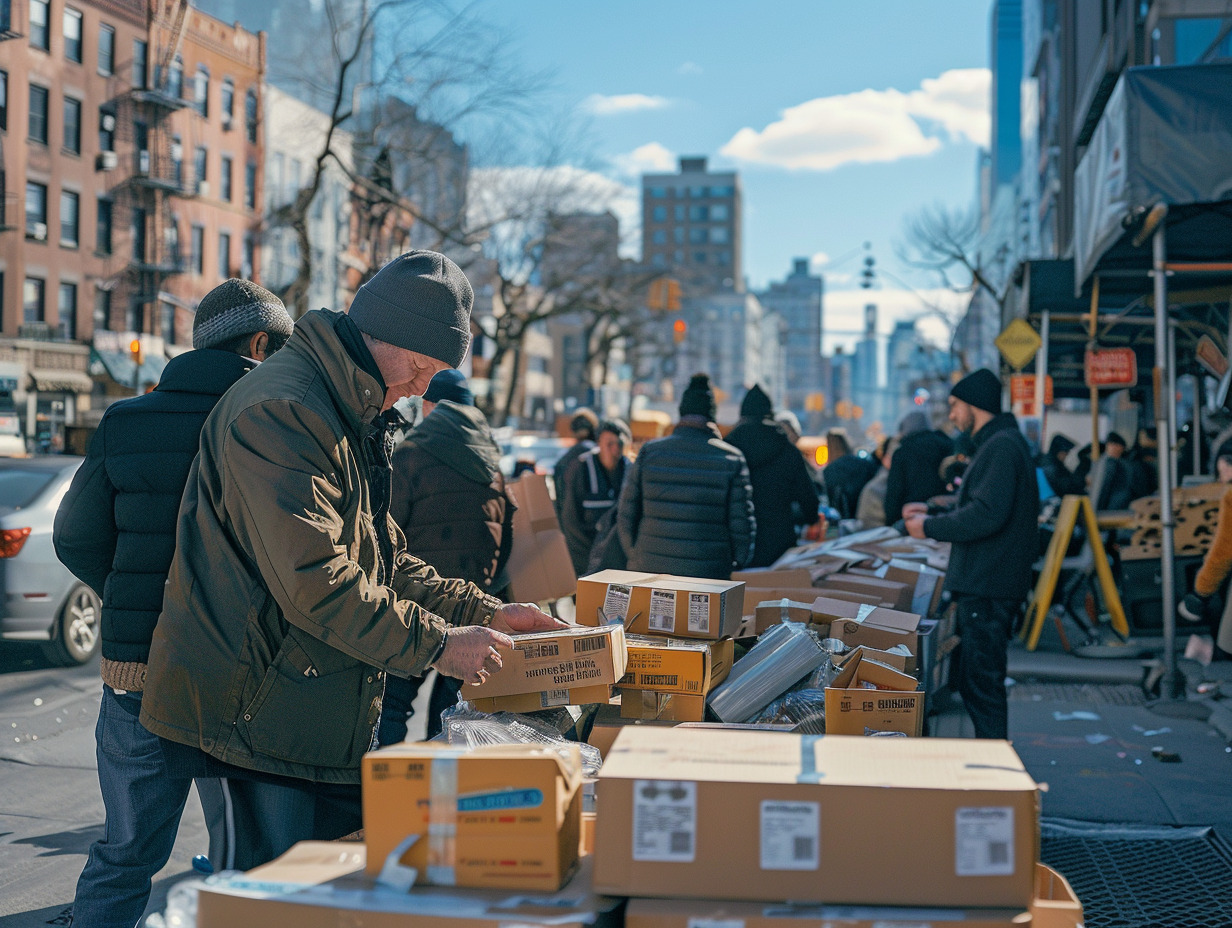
[
  {"x": 697, "y": 425},
  {"x": 357, "y": 394},
  {"x": 998, "y": 423},
  {"x": 205, "y": 370}
]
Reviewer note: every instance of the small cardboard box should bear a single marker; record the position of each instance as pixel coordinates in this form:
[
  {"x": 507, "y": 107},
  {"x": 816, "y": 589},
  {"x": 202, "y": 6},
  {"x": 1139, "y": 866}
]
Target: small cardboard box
[
  {"x": 895, "y": 659},
  {"x": 869, "y": 625},
  {"x": 775, "y": 611},
  {"x": 674, "y": 665},
  {"x": 661, "y": 707},
  {"x": 759, "y": 596},
  {"x": 556, "y": 661},
  {"x": 692, "y": 913},
  {"x": 1055, "y": 904},
  {"x": 869, "y": 697},
  {"x": 548, "y": 699},
  {"x": 503, "y": 816},
  {"x": 322, "y": 884},
  {"x": 895, "y": 595},
  {"x": 759, "y": 816},
  {"x": 928, "y": 583},
  {"x": 660, "y": 604},
  {"x": 539, "y": 566}
]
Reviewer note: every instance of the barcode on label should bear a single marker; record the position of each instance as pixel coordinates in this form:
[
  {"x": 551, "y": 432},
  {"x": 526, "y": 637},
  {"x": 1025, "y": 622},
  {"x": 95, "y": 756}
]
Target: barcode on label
[
  {"x": 551, "y": 698},
  {"x": 984, "y": 841},
  {"x": 582, "y": 645},
  {"x": 790, "y": 835},
  {"x": 681, "y": 842},
  {"x": 664, "y": 820},
  {"x": 662, "y": 611},
  {"x": 699, "y": 613},
  {"x": 539, "y": 650},
  {"x": 998, "y": 852},
  {"x": 803, "y": 849}
]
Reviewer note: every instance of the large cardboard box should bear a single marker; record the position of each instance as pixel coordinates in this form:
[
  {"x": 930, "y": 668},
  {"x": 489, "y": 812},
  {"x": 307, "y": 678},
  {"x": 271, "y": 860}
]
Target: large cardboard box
[
  {"x": 868, "y": 697},
  {"x": 693, "y": 913},
  {"x": 609, "y": 723},
  {"x": 660, "y": 604},
  {"x": 555, "y": 662},
  {"x": 928, "y": 583},
  {"x": 706, "y": 814},
  {"x": 894, "y": 595},
  {"x": 548, "y": 699},
  {"x": 502, "y": 816},
  {"x": 774, "y": 611},
  {"x": 539, "y": 566},
  {"x": 662, "y": 707},
  {"x": 1055, "y": 904},
  {"x": 868, "y": 625},
  {"x": 676, "y": 665},
  {"x": 759, "y": 596},
  {"x": 322, "y": 884}
]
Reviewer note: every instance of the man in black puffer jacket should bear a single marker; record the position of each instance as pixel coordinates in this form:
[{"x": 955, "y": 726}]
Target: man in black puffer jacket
[
  {"x": 778, "y": 474},
  {"x": 686, "y": 507},
  {"x": 994, "y": 533},
  {"x": 115, "y": 530},
  {"x": 915, "y": 469},
  {"x": 449, "y": 496}
]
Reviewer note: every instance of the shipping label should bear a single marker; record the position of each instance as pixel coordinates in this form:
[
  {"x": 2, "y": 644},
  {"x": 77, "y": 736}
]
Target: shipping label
[
  {"x": 984, "y": 841},
  {"x": 551, "y": 698},
  {"x": 699, "y": 613},
  {"x": 616, "y": 602},
  {"x": 790, "y": 835},
  {"x": 662, "y": 611},
  {"x": 665, "y": 820}
]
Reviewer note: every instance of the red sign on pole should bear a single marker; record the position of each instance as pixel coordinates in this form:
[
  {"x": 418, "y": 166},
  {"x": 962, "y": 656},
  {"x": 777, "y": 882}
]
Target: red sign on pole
[
  {"x": 1022, "y": 389},
  {"x": 1111, "y": 367}
]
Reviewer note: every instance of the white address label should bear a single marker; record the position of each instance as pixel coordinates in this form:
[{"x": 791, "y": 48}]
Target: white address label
[
  {"x": 665, "y": 820},
  {"x": 790, "y": 835},
  {"x": 662, "y": 611},
  {"x": 550, "y": 698},
  {"x": 616, "y": 602},
  {"x": 699, "y": 613},
  {"x": 984, "y": 841}
]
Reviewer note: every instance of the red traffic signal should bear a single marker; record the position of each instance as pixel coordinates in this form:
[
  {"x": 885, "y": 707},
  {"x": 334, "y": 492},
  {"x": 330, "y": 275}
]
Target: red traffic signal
[{"x": 679, "y": 328}]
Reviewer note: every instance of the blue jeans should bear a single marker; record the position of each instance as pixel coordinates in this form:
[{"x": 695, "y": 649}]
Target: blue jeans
[{"x": 143, "y": 806}]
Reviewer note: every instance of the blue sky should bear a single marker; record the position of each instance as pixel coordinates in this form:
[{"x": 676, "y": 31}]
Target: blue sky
[{"x": 841, "y": 117}]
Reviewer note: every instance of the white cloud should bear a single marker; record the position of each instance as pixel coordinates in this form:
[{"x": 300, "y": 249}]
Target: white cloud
[
  {"x": 819, "y": 260},
  {"x": 617, "y": 104},
  {"x": 651, "y": 158},
  {"x": 690, "y": 68},
  {"x": 871, "y": 125},
  {"x": 843, "y": 319}
]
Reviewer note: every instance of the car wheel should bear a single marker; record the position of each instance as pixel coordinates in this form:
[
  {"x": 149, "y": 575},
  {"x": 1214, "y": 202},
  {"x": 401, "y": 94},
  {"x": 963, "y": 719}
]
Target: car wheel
[{"x": 74, "y": 637}]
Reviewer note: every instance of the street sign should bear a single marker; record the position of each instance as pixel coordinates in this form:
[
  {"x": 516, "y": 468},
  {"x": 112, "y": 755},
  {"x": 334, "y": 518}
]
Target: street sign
[
  {"x": 1018, "y": 343},
  {"x": 1022, "y": 389},
  {"x": 1111, "y": 367}
]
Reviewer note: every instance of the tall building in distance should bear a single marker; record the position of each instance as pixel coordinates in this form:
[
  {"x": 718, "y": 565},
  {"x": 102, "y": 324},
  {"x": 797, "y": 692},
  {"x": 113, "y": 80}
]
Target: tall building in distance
[
  {"x": 797, "y": 300},
  {"x": 691, "y": 227},
  {"x": 1006, "y": 54}
]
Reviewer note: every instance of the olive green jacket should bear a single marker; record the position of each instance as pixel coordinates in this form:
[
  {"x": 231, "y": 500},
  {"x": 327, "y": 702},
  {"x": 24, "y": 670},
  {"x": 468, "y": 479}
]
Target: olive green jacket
[{"x": 276, "y": 634}]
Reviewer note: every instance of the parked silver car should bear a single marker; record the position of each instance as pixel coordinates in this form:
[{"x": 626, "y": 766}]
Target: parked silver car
[{"x": 39, "y": 599}]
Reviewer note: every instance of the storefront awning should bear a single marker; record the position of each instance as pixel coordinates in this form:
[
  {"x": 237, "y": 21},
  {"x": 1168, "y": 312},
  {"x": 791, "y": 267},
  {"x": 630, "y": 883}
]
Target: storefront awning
[
  {"x": 118, "y": 365},
  {"x": 52, "y": 380}
]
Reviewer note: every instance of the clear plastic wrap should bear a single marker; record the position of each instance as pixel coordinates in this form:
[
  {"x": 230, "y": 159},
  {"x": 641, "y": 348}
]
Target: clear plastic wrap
[
  {"x": 804, "y": 709},
  {"x": 464, "y": 726},
  {"x": 785, "y": 654}
]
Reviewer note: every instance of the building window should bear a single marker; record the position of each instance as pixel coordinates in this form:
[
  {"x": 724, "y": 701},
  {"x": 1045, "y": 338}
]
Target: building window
[
  {"x": 141, "y": 147},
  {"x": 141, "y": 54},
  {"x": 70, "y": 214},
  {"x": 200, "y": 158},
  {"x": 718, "y": 235},
  {"x": 106, "y": 49},
  {"x": 249, "y": 259},
  {"x": 659, "y": 237},
  {"x": 102, "y": 310},
  {"x": 697, "y": 236},
  {"x": 139, "y": 223},
  {"x": 72, "y": 34},
  {"x": 133, "y": 321},
  {"x": 102, "y": 231},
  {"x": 659, "y": 214},
  {"x": 172, "y": 234},
  {"x": 698, "y": 214},
  {"x": 678, "y": 235},
  {"x": 224, "y": 255},
  {"x": 33, "y": 295},
  {"x": 201, "y": 91},
  {"x": 177, "y": 160},
  {"x": 72, "y": 125},
  {"x": 106, "y": 128},
  {"x": 250, "y": 185},
  {"x": 175, "y": 78},
  {"x": 718, "y": 212},
  {"x": 699, "y": 257},
  {"x": 723, "y": 257},
  {"x": 40, "y": 35},
  {"x": 36, "y": 211},
  {"x": 658, "y": 192},
  {"x": 680, "y": 212},
  {"x": 659, "y": 259},
  {"x": 227, "y": 102},
  {"x": 250, "y": 115},
  {"x": 67, "y": 326},
  {"x": 224, "y": 178},
  {"x": 197, "y": 245},
  {"x": 166, "y": 321},
  {"x": 4, "y": 100},
  {"x": 38, "y": 114}
]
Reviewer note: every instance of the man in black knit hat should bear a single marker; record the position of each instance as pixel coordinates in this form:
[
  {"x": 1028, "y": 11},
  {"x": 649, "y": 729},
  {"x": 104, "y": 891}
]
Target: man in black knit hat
[
  {"x": 994, "y": 536},
  {"x": 115, "y": 530},
  {"x": 686, "y": 506}
]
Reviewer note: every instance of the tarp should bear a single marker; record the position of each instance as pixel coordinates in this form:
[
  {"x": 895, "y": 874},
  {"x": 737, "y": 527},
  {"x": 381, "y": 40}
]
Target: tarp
[
  {"x": 1165, "y": 137},
  {"x": 118, "y": 365}
]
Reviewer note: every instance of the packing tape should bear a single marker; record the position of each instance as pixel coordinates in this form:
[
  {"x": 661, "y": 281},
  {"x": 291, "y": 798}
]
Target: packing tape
[
  {"x": 808, "y": 760},
  {"x": 443, "y": 819}
]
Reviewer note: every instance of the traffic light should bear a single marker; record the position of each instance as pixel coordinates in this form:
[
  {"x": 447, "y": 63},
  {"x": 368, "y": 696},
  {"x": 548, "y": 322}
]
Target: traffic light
[
  {"x": 136, "y": 352},
  {"x": 679, "y": 328},
  {"x": 664, "y": 295}
]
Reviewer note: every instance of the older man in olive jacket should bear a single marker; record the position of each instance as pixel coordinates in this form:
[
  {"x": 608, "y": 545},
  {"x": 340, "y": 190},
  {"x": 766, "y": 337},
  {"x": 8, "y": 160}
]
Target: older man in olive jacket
[{"x": 292, "y": 593}]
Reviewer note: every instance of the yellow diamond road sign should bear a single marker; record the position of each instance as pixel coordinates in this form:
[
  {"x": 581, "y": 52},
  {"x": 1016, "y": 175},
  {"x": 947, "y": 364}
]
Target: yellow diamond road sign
[{"x": 1018, "y": 343}]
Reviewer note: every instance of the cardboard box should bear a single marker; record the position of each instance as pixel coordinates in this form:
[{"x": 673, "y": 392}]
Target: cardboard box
[
  {"x": 860, "y": 599},
  {"x": 556, "y": 661},
  {"x": 609, "y": 723},
  {"x": 895, "y": 595},
  {"x": 869, "y": 697},
  {"x": 758, "y": 816},
  {"x": 321, "y": 884},
  {"x": 506, "y": 816},
  {"x": 673, "y": 665},
  {"x": 763, "y": 577},
  {"x": 691, "y": 913},
  {"x": 662, "y": 707},
  {"x": 768, "y": 614},
  {"x": 759, "y": 596},
  {"x": 895, "y": 659},
  {"x": 539, "y": 566},
  {"x": 548, "y": 699},
  {"x": 869, "y": 625},
  {"x": 928, "y": 583},
  {"x": 1055, "y": 904},
  {"x": 659, "y": 604}
]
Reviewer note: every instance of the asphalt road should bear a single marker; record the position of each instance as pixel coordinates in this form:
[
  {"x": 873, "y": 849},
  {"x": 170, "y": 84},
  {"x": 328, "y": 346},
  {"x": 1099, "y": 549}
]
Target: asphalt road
[{"x": 50, "y": 807}]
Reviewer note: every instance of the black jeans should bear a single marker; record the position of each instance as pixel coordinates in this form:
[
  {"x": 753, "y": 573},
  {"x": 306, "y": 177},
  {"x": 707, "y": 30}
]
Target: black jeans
[{"x": 984, "y": 625}]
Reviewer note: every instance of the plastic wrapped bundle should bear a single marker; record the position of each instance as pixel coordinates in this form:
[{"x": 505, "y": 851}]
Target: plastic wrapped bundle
[
  {"x": 786, "y": 654},
  {"x": 804, "y": 709},
  {"x": 464, "y": 726}
]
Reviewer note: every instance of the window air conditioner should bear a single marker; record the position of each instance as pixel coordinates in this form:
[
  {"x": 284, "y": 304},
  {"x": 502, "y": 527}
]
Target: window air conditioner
[
  {"x": 108, "y": 122},
  {"x": 38, "y": 231},
  {"x": 203, "y": 188},
  {"x": 143, "y": 161},
  {"x": 226, "y": 122},
  {"x": 177, "y": 151},
  {"x": 106, "y": 161}
]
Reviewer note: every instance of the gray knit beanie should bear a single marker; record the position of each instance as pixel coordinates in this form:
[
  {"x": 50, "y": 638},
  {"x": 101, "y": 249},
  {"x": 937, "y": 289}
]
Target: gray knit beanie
[
  {"x": 238, "y": 307},
  {"x": 420, "y": 301}
]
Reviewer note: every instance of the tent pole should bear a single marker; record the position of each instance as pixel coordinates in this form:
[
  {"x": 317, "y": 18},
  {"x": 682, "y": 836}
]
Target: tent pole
[
  {"x": 1174, "y": 443},
  {"x": 1041, "y": 374},
  {"x": 1094, "y": 390},
  {"x": 1196, "y": 432},
  {"x": 1170, "y": 685}
]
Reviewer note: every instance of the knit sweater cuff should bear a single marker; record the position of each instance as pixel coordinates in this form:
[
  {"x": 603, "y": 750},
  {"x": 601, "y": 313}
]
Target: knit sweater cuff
[{"x": 123, "y": 675}]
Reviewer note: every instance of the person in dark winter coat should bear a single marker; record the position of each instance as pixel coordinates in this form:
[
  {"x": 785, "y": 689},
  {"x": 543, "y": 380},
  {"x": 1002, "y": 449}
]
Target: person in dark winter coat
[
  {"x": 592, "y": 490},
  {"x": 449, "y": 495},
  {"x": 1115, "y": 475},
  {"x": 115, "y": 530},
  {"x": 778, "y": 475},
  {"x": 915, "y": 471},
  {"x": 994, "y": 535},
  {"x": 845, "y": 474},
  {"x": 1063, "y": 481},
  {"x": 584, "y": 425},
  {"x": 686, "y": 507}
]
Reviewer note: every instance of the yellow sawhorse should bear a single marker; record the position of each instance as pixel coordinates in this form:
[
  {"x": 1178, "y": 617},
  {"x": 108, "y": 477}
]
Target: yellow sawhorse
[{"x": 1046, "y": 587}]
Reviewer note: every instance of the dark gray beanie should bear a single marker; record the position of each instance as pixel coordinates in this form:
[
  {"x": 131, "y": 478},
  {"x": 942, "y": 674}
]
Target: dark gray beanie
[
  {"x": 981, "y": 389},
  {"x": 420, "y": 301},
  {"x": 238, "y": 307}
]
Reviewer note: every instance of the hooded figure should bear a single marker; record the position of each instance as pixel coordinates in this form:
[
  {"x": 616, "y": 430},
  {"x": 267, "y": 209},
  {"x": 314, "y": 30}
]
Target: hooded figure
[
  {"x": 1063, "y": 481},
  {"x": 915, "y": 469},
  {"x": 783, "y": 493}
]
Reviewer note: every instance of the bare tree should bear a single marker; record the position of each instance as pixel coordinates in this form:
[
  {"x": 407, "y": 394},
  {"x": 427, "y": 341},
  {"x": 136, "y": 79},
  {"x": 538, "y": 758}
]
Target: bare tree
[{"x": 945, "y": 241}]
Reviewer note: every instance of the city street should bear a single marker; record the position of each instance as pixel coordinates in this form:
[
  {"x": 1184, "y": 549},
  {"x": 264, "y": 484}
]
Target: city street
[{"x": 50, "y": 807}]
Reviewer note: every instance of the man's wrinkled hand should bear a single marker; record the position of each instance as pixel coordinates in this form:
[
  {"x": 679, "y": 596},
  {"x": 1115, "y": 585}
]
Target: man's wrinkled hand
[
  {"x": 520, "y": 618},
  {"x": 915, "y": 526},
  {"x": 470, "y": 653},
  {"x": 915, "y": 509}
]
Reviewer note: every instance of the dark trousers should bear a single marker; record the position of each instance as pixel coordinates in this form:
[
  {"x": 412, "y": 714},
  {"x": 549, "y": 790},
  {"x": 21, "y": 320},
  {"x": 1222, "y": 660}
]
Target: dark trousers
[
  {"x": 984, "y": 626},
  {"x": 398, "y": 703}
]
